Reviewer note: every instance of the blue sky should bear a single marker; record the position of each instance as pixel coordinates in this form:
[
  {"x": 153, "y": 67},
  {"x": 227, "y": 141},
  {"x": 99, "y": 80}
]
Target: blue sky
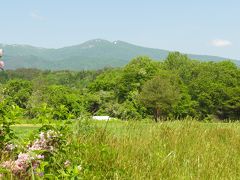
[{"x": 192, "y": 26}]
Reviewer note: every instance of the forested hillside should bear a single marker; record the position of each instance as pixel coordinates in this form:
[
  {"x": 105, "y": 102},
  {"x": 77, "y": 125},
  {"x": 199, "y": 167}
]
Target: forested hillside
[
  {"x": 175, "y": 88},
  {"x": 91, "y": 55}
]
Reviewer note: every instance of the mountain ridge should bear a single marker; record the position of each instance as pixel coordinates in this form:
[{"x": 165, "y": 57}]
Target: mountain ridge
[{"x": 92, "y": 54}]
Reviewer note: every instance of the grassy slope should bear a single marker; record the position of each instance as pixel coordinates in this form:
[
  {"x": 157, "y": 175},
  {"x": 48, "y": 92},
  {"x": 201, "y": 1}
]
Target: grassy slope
[{"x": 171, "y": 150}]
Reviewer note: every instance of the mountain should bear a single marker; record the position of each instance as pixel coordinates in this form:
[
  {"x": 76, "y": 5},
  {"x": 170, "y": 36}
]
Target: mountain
[{"x": 93, "y": 54}]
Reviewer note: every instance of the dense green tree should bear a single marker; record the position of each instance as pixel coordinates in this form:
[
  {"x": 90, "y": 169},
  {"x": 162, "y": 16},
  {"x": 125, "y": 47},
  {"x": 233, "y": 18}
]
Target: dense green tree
[
  {"x": 106, "y": 81},
  {"x": 18, "y": 91},
  {"x": 175, "y": 61},
  {"x": 160, "y": 94},
  {"x": 211, "y": 85},
  {"x": 62, "y": 100},
  {"x": 230, "y": 108},
  {"x": 135, "y": 74},
  {"x": 180, "y": 64}
]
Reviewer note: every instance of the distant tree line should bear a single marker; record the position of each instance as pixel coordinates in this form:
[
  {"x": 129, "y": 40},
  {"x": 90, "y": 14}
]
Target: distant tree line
[{"x": 172, "y": 89}]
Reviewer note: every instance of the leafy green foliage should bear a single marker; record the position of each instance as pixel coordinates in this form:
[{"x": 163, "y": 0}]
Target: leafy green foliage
[
  {"x": 205, "y": 89},
  {"x": 160, "y": 94},
  {"x": 18, "y": 92},
  {"x": 138, "y": 71},
  {"x": 8, "y": 117}
]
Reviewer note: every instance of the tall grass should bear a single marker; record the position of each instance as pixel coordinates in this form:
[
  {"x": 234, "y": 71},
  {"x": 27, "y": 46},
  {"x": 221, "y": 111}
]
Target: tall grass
[
  {"x": 140, "y": 150},
  {"x": 175, "y": 150}
]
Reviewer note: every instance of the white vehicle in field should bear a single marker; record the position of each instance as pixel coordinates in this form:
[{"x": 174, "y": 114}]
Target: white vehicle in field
[{"x": 101, "y": 118}]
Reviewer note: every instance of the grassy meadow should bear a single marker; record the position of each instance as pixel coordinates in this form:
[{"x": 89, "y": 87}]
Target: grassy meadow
[{"x": 146, "y": 150}]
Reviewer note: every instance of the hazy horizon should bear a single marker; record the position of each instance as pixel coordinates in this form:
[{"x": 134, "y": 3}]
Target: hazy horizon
[{"x": 204, "y": 28}]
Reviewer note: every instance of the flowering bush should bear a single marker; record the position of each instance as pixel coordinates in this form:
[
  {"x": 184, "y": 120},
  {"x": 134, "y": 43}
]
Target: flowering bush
[
  {"x": 47, "y": 141},
  {"x": 21, "y": 165},
  {"x": 10, "y": 147},
  {"x": 31, "y": 159},
  {"x": 46, "y": 156}
]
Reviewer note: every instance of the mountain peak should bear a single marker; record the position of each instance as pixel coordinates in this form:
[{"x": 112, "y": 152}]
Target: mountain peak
[
  {"x": 97, "y": 41},
  {"x": 94, "y": 43}
]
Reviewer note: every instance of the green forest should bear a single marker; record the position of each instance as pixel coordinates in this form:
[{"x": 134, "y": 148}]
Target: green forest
[{"x": 175, "y": 88}]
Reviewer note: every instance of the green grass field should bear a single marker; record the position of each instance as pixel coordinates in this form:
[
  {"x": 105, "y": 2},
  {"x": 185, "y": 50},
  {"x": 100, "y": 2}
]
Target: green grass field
[
  {"x": 141, "y": 150},
  {"x": 24, "y": 130}
]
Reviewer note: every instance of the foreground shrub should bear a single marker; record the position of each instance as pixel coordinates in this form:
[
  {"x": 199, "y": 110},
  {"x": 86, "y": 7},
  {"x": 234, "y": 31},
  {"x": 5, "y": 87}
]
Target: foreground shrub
[
  {"x": 27, "y": 162},
  {"x": 8, "y": 115}
]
